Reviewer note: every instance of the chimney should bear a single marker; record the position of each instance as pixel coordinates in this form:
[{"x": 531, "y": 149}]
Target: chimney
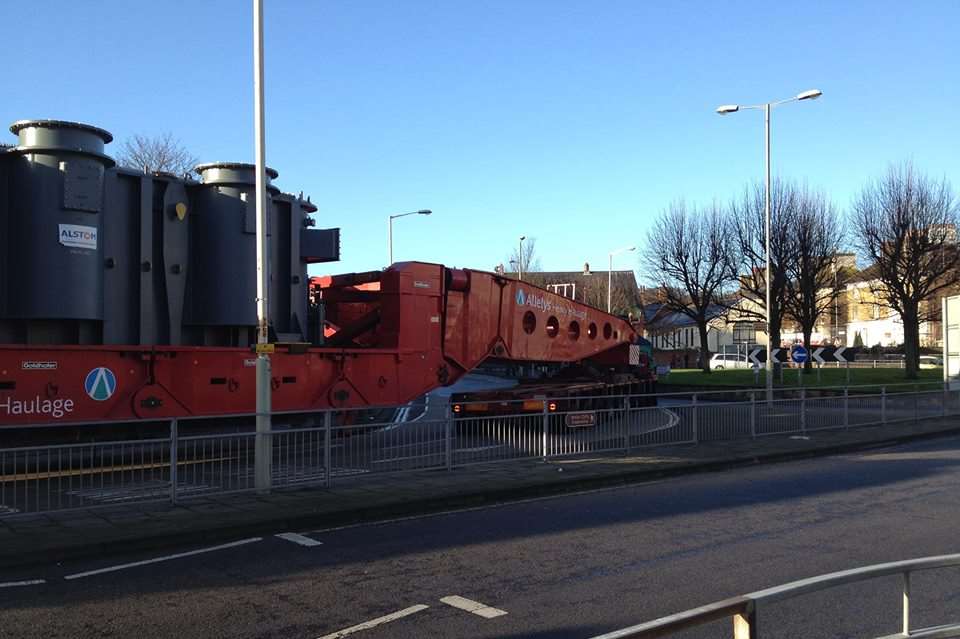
[{"x": 586, "y": 268}]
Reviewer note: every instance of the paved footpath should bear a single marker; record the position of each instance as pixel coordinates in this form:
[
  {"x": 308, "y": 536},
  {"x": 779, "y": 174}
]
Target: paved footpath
[{"x": 36, "y": 539}]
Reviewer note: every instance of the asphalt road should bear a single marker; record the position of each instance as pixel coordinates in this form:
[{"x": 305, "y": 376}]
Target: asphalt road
[{"x": 570, "y": 566}]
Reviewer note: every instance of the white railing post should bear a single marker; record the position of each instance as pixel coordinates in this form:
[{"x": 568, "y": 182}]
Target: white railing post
[
  {"x": 916, "y": 402},
  {"x": 448, "y": 445},
  {"x": 803, "y": 410},
  {"x": 745, "y": 624},
  {"x": 906, "y": 604},
  {"x": 753, "y": 414},
  {"x": 546, "y": 427},
  {"x": 945, "y": 399},
  {"x": 883, "y": 405},
  {"x": 626, "y": 424},
  {"x": 846, "y": 407},
  {"x": 173, "y": 460},
  {"x": 327, "y": 471},
  {"x": 696, "y": 435}
]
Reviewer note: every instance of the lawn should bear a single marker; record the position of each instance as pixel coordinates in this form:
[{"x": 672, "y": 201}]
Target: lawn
[{"x": 828, "y": 377}]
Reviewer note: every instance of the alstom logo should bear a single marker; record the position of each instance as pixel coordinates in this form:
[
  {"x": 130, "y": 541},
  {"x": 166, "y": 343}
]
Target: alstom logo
[
  {"x": 100, "y": 384},
  {"x": 521, "y": 297}
]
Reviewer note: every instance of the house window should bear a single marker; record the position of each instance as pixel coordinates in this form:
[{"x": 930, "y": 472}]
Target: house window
[{"x": 743, "y": 333}]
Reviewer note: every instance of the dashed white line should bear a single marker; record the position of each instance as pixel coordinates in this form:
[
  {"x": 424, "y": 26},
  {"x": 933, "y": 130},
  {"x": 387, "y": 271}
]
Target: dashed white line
[
  {"x": 166, "y": 558},
  {"x": 303, "y": 540},
  {"x": 27, "y": 582},
  {"x": 475, "y": 607},
  {"x": 376, "y": 622}
]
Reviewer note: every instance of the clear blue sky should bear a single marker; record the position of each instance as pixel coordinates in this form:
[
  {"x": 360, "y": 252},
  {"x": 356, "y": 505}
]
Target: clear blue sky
[{"x": 572, "y": 122}]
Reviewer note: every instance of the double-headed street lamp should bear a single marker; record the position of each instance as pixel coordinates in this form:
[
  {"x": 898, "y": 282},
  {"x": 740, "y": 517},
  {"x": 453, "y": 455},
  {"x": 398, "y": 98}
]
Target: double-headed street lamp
[
  {"x": 390, "y": 229},
  {"x": 610, "y": 274},
  {"x": 733, "y": 108}
]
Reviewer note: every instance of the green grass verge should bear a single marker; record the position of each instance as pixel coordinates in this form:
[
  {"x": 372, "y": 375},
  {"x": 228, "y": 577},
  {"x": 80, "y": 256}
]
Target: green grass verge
[{"x": 828, "y": 377}]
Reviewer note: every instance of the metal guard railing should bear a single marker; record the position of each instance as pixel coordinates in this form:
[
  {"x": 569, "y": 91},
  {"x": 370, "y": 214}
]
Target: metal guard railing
[{"x": 743, "y": 609}]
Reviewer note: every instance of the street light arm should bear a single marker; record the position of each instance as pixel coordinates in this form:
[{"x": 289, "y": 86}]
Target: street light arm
[
  {"x": 423, "y": 212},
  {"x": 812, "y": 94}
]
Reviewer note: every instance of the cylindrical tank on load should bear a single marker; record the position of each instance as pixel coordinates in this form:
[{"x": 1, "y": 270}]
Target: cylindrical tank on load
[
  {"x": 222, "y": 286},
  {"x": 54, "y": 223}
]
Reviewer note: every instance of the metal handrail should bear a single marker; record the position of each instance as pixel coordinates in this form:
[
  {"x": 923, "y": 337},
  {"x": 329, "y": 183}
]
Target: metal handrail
[{"x": 743, "y": 609}]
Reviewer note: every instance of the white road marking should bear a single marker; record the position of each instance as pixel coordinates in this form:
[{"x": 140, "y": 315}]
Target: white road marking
[
  {"x": 400, "y": 418},
  {"x": 166, "y": 558},
  {"x": 475, "y": 607},
  {"x": 426, "y": 404},
  {"x": 28, "y": 582},
  {"x": 299, "y": 539},
  {"x": 376, "y": 622}
]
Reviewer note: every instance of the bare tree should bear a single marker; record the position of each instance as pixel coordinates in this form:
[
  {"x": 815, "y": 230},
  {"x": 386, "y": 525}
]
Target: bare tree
[
  {"x": 529, "y": 260},
  {"x": 748, "y": 217},
  {"x": 161, "y": 154},
  {"x": 688, "y": 253},
  {"x": 906, "y": 224},
  {"x": 624, "y": 295},
  {"x": 812, "y": 282}
]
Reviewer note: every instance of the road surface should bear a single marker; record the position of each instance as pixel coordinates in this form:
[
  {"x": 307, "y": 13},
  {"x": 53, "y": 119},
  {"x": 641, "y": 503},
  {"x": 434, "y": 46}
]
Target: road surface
[{"x": 570, "y": 566}]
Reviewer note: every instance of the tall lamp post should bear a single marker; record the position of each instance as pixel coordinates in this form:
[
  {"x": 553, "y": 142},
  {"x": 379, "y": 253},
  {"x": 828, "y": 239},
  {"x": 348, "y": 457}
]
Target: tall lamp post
[
  {"x": 766, "y": 108},
  {"x": 520, "y": 259},
  {"x": 263, "y": 454},
  {"x": 390, "y": 229},
  {"x": 610, "y": 274}
]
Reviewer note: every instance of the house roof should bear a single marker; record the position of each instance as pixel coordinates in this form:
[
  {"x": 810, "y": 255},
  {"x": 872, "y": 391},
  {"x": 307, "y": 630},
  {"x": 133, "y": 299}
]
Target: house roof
[
  {"x": 872, "y": 272},
  {"x": 664, "y": 320}
]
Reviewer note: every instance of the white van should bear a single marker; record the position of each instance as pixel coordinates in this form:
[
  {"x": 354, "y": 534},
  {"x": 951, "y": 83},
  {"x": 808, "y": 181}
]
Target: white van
[{"x": 721, "y": 361}]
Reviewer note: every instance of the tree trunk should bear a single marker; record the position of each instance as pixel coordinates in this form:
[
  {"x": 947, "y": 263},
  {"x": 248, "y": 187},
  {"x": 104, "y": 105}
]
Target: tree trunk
[
  {"x": 911, "y": 341},
  {"x": 807, "y": 332},
  {"x": 704, "y": 348}
]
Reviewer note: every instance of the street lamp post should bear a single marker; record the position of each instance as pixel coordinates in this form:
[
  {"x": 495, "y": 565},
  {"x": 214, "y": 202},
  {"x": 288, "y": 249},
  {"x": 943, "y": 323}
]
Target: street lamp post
[
  {"x": 610, "y": 274},
  {"x": 390, "y": 229},
  {"x": 733, "y": 108},
  {"x": 263, "y": 454},
  {"x": 520, "y": 259}
]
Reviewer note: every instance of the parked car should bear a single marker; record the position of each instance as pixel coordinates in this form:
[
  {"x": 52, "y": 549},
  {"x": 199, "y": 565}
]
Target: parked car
[
  {"x": 930, "y": 361},
  {"x": 721, "y": 361}
]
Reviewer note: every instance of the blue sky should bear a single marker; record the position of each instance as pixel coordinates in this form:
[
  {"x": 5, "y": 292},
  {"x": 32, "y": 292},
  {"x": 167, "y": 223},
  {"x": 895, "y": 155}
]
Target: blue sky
[{"x": 571, "y": 122}]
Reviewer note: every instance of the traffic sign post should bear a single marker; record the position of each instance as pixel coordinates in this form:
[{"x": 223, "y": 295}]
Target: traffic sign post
[{"x": 799, "y": 355}]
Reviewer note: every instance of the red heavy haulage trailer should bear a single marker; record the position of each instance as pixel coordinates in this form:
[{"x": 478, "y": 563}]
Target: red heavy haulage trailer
[
  {"x": 393, "y": 335},
  {"x": 129, "y": 296}
]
